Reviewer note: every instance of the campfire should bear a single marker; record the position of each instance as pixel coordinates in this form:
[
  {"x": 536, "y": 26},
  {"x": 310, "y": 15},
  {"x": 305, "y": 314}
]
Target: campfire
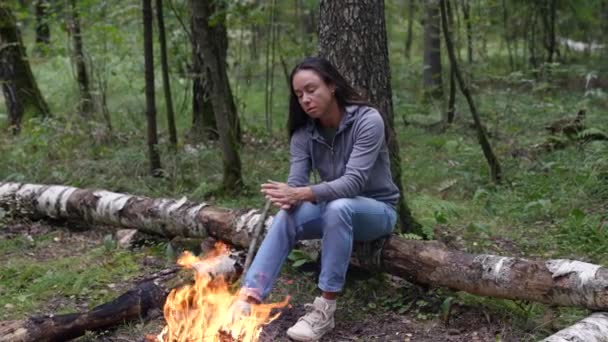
[{"x": 201, "y": 312}]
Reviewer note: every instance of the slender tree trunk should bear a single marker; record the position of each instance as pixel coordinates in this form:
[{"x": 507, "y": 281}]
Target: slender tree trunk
[
  {"x": 494, "y": 165},
  {"x": 551, "y": 39},
  {"x": 466, "y": 12},
  {"x": 21, "y": 92},
  {"x": 507, "y": 33},
  {"x": 43, "y": 33},
  {"x": 269, "y": 68},
  {"x": 153, "y": 153},
  {"x": 410, "y": 24},
  {"x": 451, "y": 112},
  {"x": 360, "y": 52},
  {"x": 203, "y": 120},
  {"x": 165, "y": 72},
  {"x": 212, "y": 42},
  {"x": 431, "y": 73},
  {"x": 85, "y": 106}
]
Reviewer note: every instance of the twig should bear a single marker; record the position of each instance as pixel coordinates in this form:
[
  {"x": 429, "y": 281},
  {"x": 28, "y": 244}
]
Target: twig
[{"x": 256, "y": 234}]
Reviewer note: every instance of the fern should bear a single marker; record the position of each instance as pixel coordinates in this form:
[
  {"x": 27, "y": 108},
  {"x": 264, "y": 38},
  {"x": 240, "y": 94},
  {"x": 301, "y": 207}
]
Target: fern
[{"x": 592, "y": 133}]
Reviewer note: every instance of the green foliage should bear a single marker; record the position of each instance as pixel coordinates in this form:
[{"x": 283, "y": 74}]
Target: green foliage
[
  {"x": 299, "y": 257},
  {"x": 27, "y": 283}
]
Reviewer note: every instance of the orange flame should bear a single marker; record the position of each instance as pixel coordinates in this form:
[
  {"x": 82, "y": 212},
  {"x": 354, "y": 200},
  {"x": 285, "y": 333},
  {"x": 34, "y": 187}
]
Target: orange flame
[{"x": 202, "y": 312}]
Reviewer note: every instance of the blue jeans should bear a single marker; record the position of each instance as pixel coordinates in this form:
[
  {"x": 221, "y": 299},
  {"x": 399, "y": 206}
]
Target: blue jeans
[{"x": 337, "y": 223}]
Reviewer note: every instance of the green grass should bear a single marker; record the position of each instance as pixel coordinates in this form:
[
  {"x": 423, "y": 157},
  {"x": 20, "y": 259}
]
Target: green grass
[{"x": 28, "y": 284}]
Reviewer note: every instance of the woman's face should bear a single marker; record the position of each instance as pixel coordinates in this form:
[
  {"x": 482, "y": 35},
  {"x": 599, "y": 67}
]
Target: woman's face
[{"x": 314, "y": 95}]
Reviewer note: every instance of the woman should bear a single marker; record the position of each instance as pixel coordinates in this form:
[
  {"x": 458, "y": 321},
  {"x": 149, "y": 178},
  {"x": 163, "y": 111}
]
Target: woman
[{"x": 334, "y": 133}]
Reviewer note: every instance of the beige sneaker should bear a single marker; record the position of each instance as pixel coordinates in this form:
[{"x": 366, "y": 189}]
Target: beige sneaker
[
  {"x": 317, "y": 322},
  {"x": 239, "y": 309}
]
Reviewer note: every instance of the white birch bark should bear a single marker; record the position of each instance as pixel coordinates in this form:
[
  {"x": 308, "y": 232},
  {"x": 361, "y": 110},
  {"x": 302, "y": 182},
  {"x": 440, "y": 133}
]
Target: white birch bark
[{"x": 591, "y": 329}]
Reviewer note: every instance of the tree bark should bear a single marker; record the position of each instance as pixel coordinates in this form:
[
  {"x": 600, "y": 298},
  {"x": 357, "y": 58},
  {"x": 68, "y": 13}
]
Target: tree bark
[
  {"x": 352, "y": 35},
  {"x": 466, "y": 12},
  {"x": 482, "y": 137},
  {"x": 211, "y": 42},
  {"x": 557, "y": 282},
  {"x": 85, "y": 106},
  {"x": 43, "y": 33},
  {"x": 591, "y": 329},
  {"x": 165, "y": 71},
  {"x": 431, "y": 73},
  {"x": 203, "y": 120},
  {"x": 152, "y": 135},
  {"x": 410, "y": 24},
  {"x": 21, "y": 92}
]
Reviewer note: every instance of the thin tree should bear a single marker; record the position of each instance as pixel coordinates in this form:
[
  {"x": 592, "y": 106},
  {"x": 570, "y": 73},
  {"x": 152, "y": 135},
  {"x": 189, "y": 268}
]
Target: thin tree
[
  {"x": 410, "y": 24},
  {"x": 43, "y": 33},
  {"x": 466, "y": 12},
  {"x": 493, "y": 163},
  {"x": 270, "y": 53},
  {"x": 19, "y": 87},
  {"x": 212, "y": 42},
  {"x": 431, "y": 73},
  {"x": 549, "y": 14},
  {"x": 85, "y": 106},
  {"x": 165, "y": 72},
  {"x": 451, "y": 113},
  {"x": 352, "y": 35},
  {"x": 154, "y": 155},
  {"x": 507, "y": 33}
]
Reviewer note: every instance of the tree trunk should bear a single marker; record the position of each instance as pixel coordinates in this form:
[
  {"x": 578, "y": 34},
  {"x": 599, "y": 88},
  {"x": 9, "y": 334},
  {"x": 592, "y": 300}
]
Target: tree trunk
[
  {"x": 591, "y": 329},
  {"x": 203, "y": 120},
  {"x": 466, "y": 12},
  {"x": 154, "y": 155},
  {"x": 212, "y": 42},
  {"x": 360, "y": 52},
  {"x": 21, "y": 92},
  {"x": 431, "y": 73},
  {"x": 410, "y": 24},
  {"x": 507, "y": 33},
  {"x": 165, "y": 71},
  {"x": 493, "y": 163},
  {"x": 43, "y": 33},
  {"x": 558, "y": 282},
  {"x": 85, "y": 106}
]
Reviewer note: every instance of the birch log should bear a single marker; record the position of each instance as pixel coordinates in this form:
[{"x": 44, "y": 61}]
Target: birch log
[
  {"x": 168, "y": 217},
  {"x": 591, "y": 329},
  {"x": 557, "y": 282}
]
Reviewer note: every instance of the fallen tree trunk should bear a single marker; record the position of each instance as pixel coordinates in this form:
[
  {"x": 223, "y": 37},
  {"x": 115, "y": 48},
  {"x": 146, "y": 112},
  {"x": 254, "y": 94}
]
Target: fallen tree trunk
[
  {"x": 167, "y": 217},
  {"x": 558, "y": 282},
  {"x": 591, "y": 329}
]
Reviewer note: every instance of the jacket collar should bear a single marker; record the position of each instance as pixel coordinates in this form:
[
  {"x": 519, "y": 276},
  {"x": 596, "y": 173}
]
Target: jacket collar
[{"x": 350, "y": 114}]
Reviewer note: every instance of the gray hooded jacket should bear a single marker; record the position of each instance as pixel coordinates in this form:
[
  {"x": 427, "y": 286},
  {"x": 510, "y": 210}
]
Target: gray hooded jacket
[{"x": 355, "y": 163}]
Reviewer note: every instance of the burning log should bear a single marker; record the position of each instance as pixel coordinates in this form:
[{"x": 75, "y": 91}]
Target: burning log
[
  {"x": 557, "y": 282},
  {"x": 591, "y": 329}
]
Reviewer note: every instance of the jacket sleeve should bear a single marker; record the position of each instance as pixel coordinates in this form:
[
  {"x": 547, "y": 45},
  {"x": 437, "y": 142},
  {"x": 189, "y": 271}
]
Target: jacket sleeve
[
  {"x": 299, "y": 160},
  {"x": 369, "y": 140}
]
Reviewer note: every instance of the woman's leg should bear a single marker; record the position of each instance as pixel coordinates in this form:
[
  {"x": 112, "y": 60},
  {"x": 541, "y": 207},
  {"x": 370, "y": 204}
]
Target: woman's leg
[
  {"x": 345, "y": 220},
  {"x": 301, "y": 223}
]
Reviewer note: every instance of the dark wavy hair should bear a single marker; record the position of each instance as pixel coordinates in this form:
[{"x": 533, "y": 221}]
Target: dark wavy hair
[{"x": 345, "y": 93}]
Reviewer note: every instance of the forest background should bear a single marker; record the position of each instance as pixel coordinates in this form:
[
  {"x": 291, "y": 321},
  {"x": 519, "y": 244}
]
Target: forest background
[{"x": 87, "y": 104}]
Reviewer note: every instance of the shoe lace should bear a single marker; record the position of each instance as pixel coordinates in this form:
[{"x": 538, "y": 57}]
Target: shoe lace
[{"x": 314, "y": 314}]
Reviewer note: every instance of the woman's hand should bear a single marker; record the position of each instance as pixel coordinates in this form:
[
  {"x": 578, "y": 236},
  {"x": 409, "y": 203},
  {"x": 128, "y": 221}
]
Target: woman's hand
[{"x": 284, "y": 196}]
